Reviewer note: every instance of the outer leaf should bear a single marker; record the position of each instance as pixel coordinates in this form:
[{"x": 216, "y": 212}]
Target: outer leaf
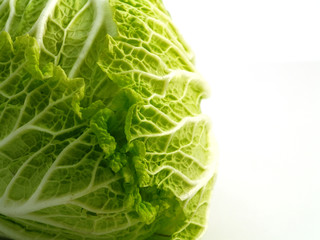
[
  {"x": 168, "y": 120},
  {"x": 54, "y": 179},
  {"x": 101, "y": 135}
]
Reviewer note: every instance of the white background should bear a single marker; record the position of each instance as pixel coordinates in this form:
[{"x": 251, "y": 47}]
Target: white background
[{"x": 262, "y": 61}]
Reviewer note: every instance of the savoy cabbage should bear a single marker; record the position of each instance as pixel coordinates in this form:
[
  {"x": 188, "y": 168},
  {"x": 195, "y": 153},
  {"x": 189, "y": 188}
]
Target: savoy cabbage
[{"x": 101, "y": 133}]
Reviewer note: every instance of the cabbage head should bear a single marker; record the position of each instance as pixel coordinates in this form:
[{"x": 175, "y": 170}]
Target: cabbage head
[{"x": 101, "y": 132}]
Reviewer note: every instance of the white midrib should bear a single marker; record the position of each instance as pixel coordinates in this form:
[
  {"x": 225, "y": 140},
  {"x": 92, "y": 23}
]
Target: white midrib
[
  {"x": 11, "y": 15},
  {"x": 183, "y": 122},
  {"x": 205, "y": 177},
  {"x": 211, "y": 169},
  {"x": 78, "y": 231},
  {"x": 32, "y": 206},
  {"x": 28, "y": 126},
  {"x": 174, "y": 73},
  {"x": 32, "y": 200},
  {"x": 22, "y": 168},
  {"x": 198, "y": 183},
  {"x": 187, "y": 223},
  {"x": 160, "y": 113},
  {"x": 57, "y": 58},
  {"x": 172, "y": 42},
  {"x": 43, "y": 19},
  {"x": 182, "y": 153},
  {"x": 102, "y": 16}
]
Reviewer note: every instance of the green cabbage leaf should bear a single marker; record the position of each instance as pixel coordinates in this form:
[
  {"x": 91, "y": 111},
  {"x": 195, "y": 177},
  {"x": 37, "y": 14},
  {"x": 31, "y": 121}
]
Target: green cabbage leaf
[{"x": 101, "y": 131}]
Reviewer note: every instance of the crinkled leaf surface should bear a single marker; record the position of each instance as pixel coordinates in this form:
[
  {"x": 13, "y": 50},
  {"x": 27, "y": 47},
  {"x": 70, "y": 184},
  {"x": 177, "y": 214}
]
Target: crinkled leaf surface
[{"x": 101, "y": 133}]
